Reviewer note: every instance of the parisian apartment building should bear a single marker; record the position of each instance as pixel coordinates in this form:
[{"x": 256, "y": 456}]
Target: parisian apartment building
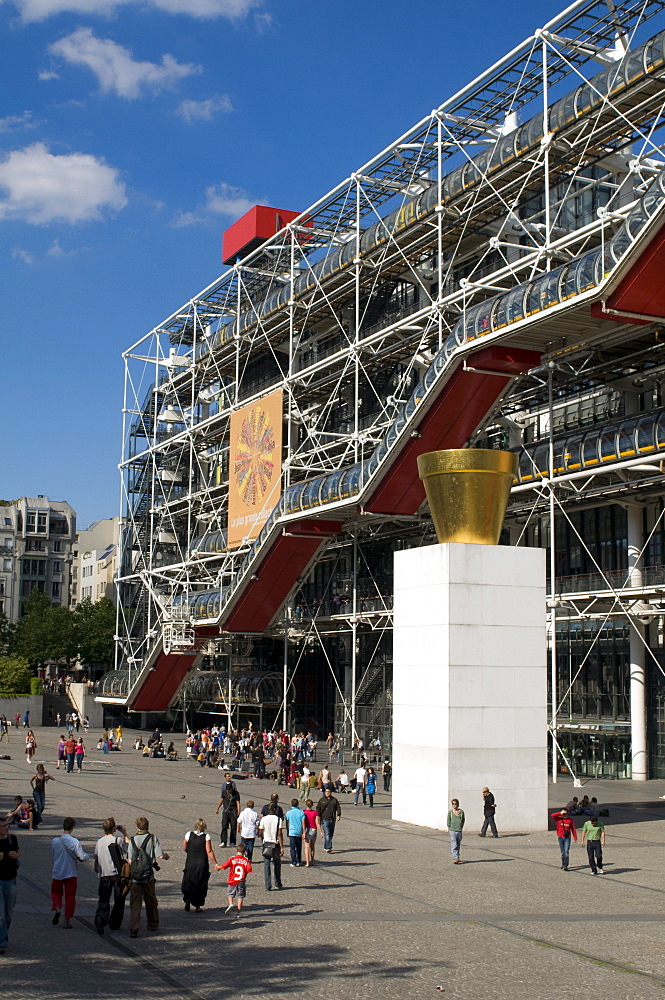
[
  {"x": 37, "y": 537},
  {"x": 94, "y": 561}
]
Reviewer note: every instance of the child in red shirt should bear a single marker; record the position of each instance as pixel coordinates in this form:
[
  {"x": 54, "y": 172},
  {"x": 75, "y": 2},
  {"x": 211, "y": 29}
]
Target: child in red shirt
[{"x": 240, "y": 868}]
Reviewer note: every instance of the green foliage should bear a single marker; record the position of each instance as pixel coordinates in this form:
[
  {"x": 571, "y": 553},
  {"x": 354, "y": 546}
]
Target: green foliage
[
  {"x": 36, "y": 685},
  {"x": 15, "y": 676},
  {"x": 7, "y": 634},
  {"x": 49, "y": 632},
  {"x": 46, "y": 632},
  {"x": 95, "y": 629}
]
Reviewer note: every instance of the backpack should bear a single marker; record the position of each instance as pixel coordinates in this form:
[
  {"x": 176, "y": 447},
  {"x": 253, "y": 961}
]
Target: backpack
[{"x": 142, "y": 864}]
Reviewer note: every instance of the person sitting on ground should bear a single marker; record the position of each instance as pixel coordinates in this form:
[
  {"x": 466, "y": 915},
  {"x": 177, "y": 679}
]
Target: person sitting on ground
[
  {"x": 342, "y": 782},
  {"x": 23, "y": 814},
  {"x": 138, "y": 743},
  {"x": 171, "y": 753},
  {"x": 573, "y": 807},
  {"x": 594, "y": 808}
]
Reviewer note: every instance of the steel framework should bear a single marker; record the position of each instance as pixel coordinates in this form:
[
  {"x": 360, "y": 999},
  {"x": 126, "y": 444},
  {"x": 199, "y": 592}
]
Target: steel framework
[{"x": 505, "y": 220}]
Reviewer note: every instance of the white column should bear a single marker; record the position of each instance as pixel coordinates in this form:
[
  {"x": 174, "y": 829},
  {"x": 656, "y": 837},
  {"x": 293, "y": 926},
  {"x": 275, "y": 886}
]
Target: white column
[
  {"x": 638, "y": 703},
  {"x": 470, "y": 685}
]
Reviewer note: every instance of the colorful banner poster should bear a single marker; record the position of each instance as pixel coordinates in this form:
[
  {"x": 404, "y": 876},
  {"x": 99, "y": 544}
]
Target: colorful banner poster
[{"x": 255, "y": 466}]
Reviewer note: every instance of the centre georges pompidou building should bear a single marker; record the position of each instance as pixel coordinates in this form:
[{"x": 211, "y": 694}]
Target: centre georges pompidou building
[{"x": 494, "y": 277}]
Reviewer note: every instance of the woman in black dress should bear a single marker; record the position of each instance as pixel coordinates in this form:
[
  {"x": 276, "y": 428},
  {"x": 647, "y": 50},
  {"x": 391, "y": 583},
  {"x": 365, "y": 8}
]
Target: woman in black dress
[{"x": 198, "y": 848}]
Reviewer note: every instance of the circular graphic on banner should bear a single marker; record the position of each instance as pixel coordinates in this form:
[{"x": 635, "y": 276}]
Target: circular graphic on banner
[{"x": 254, "y": 465}]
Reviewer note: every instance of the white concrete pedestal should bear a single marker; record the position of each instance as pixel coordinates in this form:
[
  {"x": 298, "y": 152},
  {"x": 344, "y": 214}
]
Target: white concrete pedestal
[{"x": 470, "y": 685}]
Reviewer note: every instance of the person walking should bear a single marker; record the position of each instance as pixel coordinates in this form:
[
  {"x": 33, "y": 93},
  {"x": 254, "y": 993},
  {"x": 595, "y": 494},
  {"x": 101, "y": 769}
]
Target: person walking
[
  {"x": 4, "y": 728},
  {"x": 370, "y": 785},
  {"x": 386, "y": 773},
  {"x": 198, "y": 848},
  {"x": 70, "y": 753},
  {"x": 312, "y": 826},
  {"x": 61, "y": 753},
  {"x": 455, "y": 824},
  {"x": 26, "y": 720},
  {"x": 30, "y": 746},
  {"x": 67, "y": 852},
  {"x": 304, "y": 782},
  {"x": 38, "y": 782},
  {"x": 109, "y": 852},
  {"x": 593, "y": 833},
  {"x": 330, "y": 813},
  {"x": 229, "y": 804},
  {"x": 239, "y": 868},
  {"x": 58, "y": 720},
  {"x": 79, "y": 754},
  {"x": 9, "y": 860},
  {"x": 248, "y": 827},
  {"x": 295, "y": 822},
  {"x": 565, "y": 828},
  {"x": 271, "y": 829},
  {"x": 144, "y": 850},
  {"x": 361, "y": 784},
  {"x": 489, "y": 808}
]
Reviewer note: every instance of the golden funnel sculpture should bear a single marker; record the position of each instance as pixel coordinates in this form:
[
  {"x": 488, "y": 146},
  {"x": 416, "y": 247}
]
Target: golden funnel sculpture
[{"x": 467, "y": 491}]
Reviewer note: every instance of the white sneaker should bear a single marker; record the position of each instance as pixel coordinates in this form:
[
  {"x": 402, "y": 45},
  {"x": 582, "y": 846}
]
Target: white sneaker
[
  {"x": 601, "y": 871},
  {"x": 228, "y": 908}
]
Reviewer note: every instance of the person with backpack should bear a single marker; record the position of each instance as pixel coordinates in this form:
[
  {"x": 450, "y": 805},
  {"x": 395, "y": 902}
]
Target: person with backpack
[{"x": 144, "y": 851}]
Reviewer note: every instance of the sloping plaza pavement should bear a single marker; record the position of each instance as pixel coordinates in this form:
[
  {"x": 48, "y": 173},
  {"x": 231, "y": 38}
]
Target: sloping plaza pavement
[{"x": 385, "y": 915}]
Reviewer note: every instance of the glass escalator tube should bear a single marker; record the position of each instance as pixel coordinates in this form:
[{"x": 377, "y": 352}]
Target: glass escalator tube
[
  {"x": 573, "y": 453},
  {"x": 626, "y": 445},
  {"x": 645, "y": 434}
]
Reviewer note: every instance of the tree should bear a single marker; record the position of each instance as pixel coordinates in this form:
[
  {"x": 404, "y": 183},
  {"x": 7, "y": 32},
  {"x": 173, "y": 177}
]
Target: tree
[
  {"x": 46, "y": 632},
  {"x": 15, "y": 676},
  {"x": 7, "y": 633},
  {"x": 95, "y": 631}
]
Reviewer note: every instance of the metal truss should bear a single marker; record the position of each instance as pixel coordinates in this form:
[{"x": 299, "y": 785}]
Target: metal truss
[{"x": 346, "y": 326}]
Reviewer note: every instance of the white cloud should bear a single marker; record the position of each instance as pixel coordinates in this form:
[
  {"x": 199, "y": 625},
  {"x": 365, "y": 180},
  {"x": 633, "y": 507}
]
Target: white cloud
[
  {"x": 206, "y": 110},
  {"x": 17, "y": 121},
  {"x": 114, "y": 67},
  {"x": 221, "y": 199},
  {"x": 233, "y": 10},
  {"x": 55, "y": 250},
  {"x": 23, "y": 255},
  {"x": 40, "y": 187},
  {"x": 48, "y": 74}
]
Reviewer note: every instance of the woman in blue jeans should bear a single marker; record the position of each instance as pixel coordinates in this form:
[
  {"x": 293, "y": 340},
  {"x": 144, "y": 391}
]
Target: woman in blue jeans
[
  {"x": 455, "y": 824},
  {"x": 38, "y": 782}
]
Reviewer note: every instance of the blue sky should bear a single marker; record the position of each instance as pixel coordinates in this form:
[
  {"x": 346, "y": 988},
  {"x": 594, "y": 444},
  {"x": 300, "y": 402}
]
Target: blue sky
[{"x": 133, "y": 132}]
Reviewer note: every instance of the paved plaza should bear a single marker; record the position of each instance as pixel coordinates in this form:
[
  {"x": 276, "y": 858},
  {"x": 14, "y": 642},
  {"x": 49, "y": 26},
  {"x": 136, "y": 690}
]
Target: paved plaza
[{"x": 386, "y": 915}]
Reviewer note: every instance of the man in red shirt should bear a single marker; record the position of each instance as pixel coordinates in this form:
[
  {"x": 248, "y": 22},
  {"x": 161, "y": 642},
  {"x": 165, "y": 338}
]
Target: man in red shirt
[
  {"x": 70, "y": 750},
  {"x": 565, "y": 826},
  {"x": 239, "y": 868}
]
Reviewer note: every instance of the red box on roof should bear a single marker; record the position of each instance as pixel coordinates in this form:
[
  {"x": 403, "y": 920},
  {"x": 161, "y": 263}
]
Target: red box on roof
[{"x": 250, "y": 231}]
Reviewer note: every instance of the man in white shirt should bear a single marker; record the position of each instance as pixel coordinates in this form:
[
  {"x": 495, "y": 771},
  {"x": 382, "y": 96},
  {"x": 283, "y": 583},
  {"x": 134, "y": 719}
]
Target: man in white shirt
[
  {"x": 271, "y": 832},
  {"x": 67, "y": 852},
  {"x": 361, "y": 779},
  {"x": 304, "y": 782},
  {"x": 109, "y": 877},
  {"x": 248, "y": 826}
]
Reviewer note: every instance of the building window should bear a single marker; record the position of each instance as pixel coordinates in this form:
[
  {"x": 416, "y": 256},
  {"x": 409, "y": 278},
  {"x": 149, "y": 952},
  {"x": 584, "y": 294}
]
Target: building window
[
  {"x": 8, "y": 522},
  {"x": 7, "y": 565},
  {"x": 75, "y": 572},
  {"x": 30, "y": 521},
  {"x": 2, "y": 587},
  {"x": 57, "y": 546},
  {"x": 7, "y": 543},
  {"x": 41, "y": 523},
  {"x": 55, "y": 590},
  {"x": 57, "y": 566},
  {"x": 2, "y": 606}
]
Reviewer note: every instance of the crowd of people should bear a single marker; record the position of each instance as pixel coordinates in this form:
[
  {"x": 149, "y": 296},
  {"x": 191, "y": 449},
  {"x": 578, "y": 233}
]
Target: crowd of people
[{"x": 593, "y": 830}]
